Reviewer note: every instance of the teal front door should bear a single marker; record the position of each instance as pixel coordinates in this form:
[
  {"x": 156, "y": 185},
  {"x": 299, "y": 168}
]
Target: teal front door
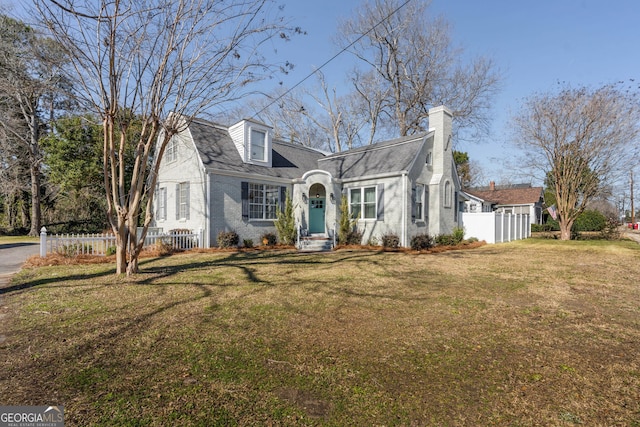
[{"x": 316, "y": 215}]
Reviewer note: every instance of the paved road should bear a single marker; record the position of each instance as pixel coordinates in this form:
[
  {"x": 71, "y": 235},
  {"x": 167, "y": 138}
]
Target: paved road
[
  {"x": 632, "y": 234},
  {"x": 12, "y": 256}
]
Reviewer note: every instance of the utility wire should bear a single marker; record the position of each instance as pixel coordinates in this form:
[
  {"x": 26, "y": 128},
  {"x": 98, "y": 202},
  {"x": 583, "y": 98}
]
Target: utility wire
[{"x": 333, "y": 57}]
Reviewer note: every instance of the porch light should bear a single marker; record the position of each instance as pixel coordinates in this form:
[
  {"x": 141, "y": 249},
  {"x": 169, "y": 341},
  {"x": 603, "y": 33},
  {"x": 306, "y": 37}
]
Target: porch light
[
  {"x": 317, "y": 195},
  {"x": 332, "y": 198},
  {"x": 305, "y": 199}
]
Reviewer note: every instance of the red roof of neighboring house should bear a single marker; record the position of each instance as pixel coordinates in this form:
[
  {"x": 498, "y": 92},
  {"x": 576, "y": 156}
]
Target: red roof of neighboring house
[{"x": 509, "y": 196}]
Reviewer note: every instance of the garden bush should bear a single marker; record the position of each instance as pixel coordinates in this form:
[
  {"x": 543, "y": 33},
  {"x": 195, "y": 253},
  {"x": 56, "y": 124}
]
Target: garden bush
[
  {"x": 228, "y": 239},
  {"x": 458, "y": 235},
  {"x": 444, "y": 240},
  {"x": 247, "y": 243},
  {"x": 269, "y": 239},
  {"x": 590, "y": 221},
  {"x": 542, "y": 228},
  {"x": 421, "y": 242},
  {"x": 390, "y": 240},
  {"x": 353, "y": 237}
]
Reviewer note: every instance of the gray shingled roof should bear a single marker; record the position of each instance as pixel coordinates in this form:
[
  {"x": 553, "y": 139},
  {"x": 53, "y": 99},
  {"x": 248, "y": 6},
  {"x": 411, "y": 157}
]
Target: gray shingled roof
[
  {"x": 385, "y": 157},
  {"x": 218, "y": 153}
]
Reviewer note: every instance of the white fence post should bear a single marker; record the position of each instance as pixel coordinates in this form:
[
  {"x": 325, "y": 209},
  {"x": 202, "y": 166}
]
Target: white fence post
[{"x": 43, "y": 242}]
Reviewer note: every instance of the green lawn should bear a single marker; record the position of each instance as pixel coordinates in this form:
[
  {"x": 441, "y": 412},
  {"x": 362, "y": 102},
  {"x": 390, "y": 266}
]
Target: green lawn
[{"x": 530, "y": 333}]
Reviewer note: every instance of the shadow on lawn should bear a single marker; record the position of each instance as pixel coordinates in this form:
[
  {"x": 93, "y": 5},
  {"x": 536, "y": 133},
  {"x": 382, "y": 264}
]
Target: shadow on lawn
[
  {"x": 49, "y": 280},
  {"x": 249, "y": 263}
]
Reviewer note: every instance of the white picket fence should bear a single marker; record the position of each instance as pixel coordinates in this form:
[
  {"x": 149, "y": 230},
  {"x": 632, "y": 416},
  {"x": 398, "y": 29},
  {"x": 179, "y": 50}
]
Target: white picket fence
[
  {"x": 101, "y": 244},
  {"x": 494, "y": 227}
]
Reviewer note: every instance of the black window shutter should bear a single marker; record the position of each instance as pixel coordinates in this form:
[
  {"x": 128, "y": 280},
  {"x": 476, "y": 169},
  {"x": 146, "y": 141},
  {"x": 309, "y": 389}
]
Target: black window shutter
[
  {"x": 244, "y": 187},
  {"x": 380, "y": 202},
  {"x": 425, "y": 206},
  {"x": 413, "y": 204}
]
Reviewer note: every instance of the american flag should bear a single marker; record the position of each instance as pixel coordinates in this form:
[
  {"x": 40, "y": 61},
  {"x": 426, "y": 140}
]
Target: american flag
[{"x": 553, "y": 212}]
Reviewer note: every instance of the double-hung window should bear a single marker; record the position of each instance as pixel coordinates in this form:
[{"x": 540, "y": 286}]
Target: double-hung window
[
  {"x": 182, "y": 200},
  {"x": 161, "y": 203},
  {"x": 171, "y": 152},
  {"x": 363, "y": 203},
  {"x": 263, "y": 201},
  {"x": 258, "y": 145},
  {"x": 419, "y": 202}
]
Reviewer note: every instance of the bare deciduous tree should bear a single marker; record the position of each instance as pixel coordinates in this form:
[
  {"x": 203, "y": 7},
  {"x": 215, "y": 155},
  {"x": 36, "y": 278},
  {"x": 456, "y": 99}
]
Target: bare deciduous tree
[
  {"x": 162, "y": 62},
  {"x": 285, "y": 111},
  {"x": 416, "y": 66},
  {"x": 583, "y": 139},
  {"x": 30, "y": 79}
]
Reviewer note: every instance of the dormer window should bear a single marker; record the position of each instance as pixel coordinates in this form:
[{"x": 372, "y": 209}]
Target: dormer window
[
  {"x": 253, "y": 142},
  {"x": 258, "y": 145}
]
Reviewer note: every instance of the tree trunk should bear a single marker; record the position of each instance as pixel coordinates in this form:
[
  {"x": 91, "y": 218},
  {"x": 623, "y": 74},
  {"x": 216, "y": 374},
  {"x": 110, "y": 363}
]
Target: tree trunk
[
  {"x": 35, "y": 200},
  {"x": 132, "y": 267},
  {"x": 565, "y": 230},
  {"x": 121, "y": 247}
]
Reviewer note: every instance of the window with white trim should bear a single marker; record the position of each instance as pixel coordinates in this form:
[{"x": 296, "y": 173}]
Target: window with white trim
[
  {"x": 161, "y": 203},
  {"x": 258, "y": 145},
  {"x": 171, "y": 152},
  {"x": 419, "y": 202},
  {"x": 263, "y": 201},
  {"x": 182, "y": 201},
  {"x": 363, "y": 203}
]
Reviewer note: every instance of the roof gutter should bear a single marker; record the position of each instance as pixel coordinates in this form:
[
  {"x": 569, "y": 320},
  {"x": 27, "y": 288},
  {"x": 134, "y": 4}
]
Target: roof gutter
[
  {"x": 250, "y": 176},
  {"x": 376, "y": 176}
]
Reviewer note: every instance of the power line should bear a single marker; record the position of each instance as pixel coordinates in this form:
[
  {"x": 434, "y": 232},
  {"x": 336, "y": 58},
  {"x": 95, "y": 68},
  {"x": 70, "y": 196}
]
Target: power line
[{"x": 332, "y": 58}]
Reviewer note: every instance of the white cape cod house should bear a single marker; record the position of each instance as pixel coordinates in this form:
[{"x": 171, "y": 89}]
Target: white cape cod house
[{"x": 215, "y": 178}]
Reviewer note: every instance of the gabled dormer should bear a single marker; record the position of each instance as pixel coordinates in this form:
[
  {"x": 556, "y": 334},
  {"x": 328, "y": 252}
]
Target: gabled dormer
[{"x": 253, "y": 142}]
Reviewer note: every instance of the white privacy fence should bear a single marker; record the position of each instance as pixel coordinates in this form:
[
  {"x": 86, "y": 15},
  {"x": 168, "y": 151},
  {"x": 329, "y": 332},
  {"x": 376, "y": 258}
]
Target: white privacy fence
[
  {"x": 105, "y": 243},
  {"x": 494, "y": 227}
]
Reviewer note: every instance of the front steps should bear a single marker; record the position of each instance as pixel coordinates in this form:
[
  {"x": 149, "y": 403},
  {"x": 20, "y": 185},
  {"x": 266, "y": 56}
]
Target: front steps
[{"x": 315, "y": 244}]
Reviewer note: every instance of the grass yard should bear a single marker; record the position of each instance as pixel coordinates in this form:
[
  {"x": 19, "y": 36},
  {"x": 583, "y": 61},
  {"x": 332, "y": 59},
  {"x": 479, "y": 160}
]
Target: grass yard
[{"x": 530, "y": 333}]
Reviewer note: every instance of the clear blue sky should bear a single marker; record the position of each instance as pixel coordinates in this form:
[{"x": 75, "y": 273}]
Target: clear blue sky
[{"x": 535, "y": 44}]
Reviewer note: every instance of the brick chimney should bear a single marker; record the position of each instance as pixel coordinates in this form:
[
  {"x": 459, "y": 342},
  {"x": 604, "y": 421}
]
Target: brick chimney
[{"x": 492, "y": 186}]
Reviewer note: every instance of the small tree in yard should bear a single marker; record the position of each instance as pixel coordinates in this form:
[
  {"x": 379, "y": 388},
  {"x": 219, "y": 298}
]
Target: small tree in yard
[
  {"x": 582, "y": 140},
  {"x": 164, "y": 63},
  {"x": 346, "y": 222},
  {"x": 285, "y": 223}
]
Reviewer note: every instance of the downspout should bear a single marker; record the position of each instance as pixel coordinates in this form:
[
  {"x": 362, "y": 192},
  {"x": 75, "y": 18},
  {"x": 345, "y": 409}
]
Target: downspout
[
  {"x": 205, "y": 228},
  {"x": 404, "y": 209}
]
